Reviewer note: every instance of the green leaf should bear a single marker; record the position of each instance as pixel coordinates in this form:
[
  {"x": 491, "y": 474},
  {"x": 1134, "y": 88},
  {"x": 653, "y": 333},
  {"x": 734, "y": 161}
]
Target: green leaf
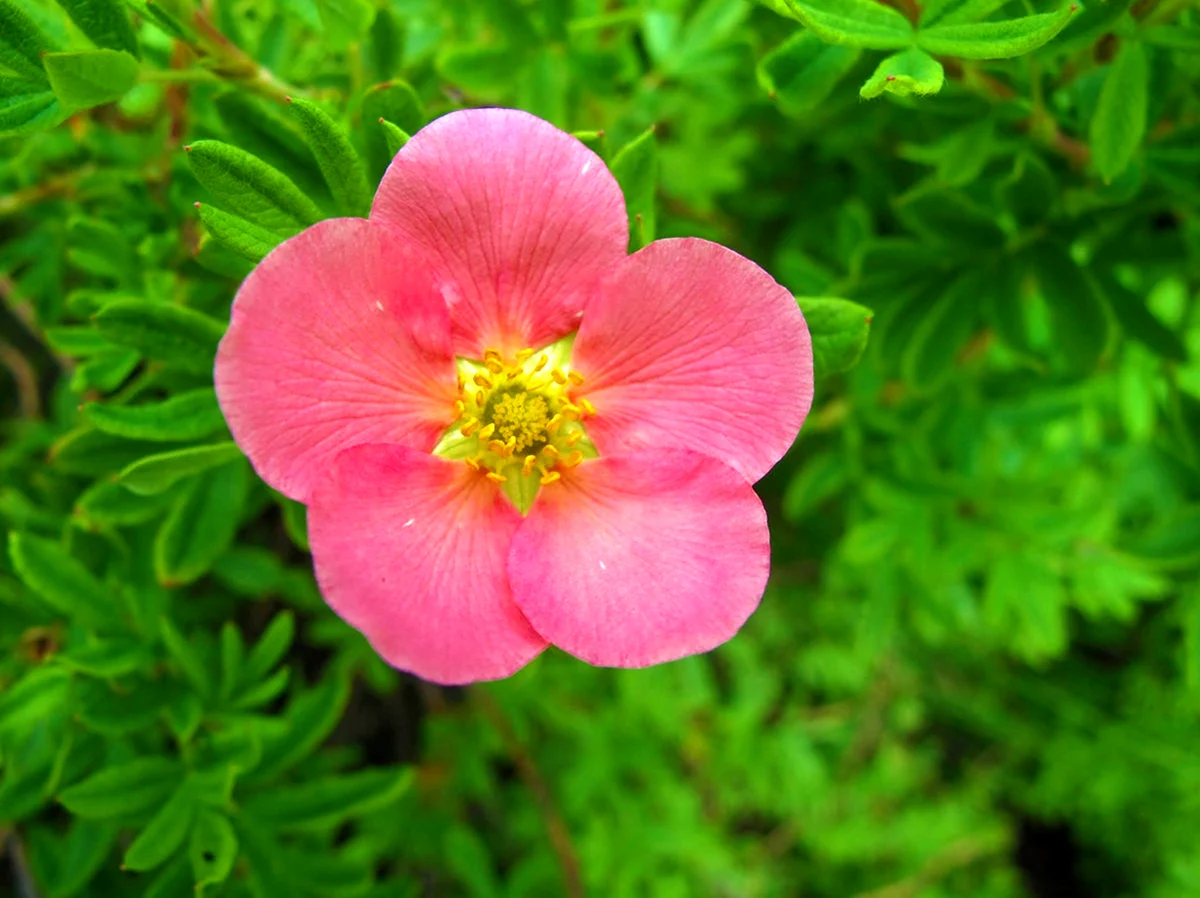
[
  {"x": 22, "y": 43},
  {"x": 242, "y": 237},
  {"x": 398, "y": 105},
  {"x": 1119, "y": 122},
  {"x": 105, "y": 22},
  {"x": 65, "y": 584},
  {"x": 90, "y": 452},
  {"x": 77, "y": 341},
  {"x": 109, "y": 504},
  {"x": 186, "y": 656},
  {"x": 855, "y": 23},
  {"x": 345, "y": 21},
  {"x": 176, "y": 336},
  {"x": 1190, "y": 609},
  {"x": 107, "y": 659},
  {"x": 903, "y": 74},
  {"x": 1138, "y": 321},
  {"x": 325, "y": 803},
  {"x": 394, "y": 137},
  {"x": 249, "y": 188},
  {"x": 40, "y": 694},
  {"x": 213, "y": 849},
  {"x": 165, "y": 832},
  {"x": 201, "y": 525},
  {"x": 839, "y": 330},
  {"x": 233, "y": 655},
  {"x": 957, "y": 12},
  {"x": 636, "y": 169},
  {"x": 343, "y": 170},
  {"x": 156, "y": 473},
  {"x": 86, "y": 78},
  {"x": 192, "y": 415},
  {"x": 65, "y": 866},
  {"x": 270, "y": 648},
  {"x": 126, "y": 790},
  {"x": 803, "y": 71},
  {"x": 994, "y": 40},
  {"x": 311, "y": 717},
  {"x": 929, "y": 356},
  {"x": 1077, "y": 313},
  {"x": 32, "y": 111}
]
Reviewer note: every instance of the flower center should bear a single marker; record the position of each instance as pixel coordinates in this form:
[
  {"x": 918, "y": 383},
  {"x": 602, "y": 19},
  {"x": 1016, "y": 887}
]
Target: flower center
[{"x": 516, "y": 420}]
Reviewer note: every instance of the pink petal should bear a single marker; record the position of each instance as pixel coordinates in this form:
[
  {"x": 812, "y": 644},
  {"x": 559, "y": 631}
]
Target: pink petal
[
  {"x": 336, "y": 339},
  {"x": 410, "y": 549},
  {"x": 519, "y": 220},
  {"x": 636, "y": 560},
  {"x": 692, "y": 346}
]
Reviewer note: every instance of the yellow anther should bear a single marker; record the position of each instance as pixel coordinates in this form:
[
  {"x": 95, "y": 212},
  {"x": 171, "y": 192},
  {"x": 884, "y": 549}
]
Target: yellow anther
[
  {"x": 573, "y": 458},
  {"x": 482, "y": 380},
  {"x": 541, "y": 363},
  {"x": 523, "y": 355},
  {"x": 527, "y": 468},
  {"x": 576, "y": 378},
  {"x": 469, "y": 428},
  {"x": 462, "y": 380},
  {"x": 480, "y": 397},
  {"x": 510, "y": 446},
  {"x": 496, "y": 447},
  {"x": 460, "y": 407},
  {"x": 486, "y": 433},
  {"x": 559, "y": 377},
  {"x": 554, "y": 424},
  {"x": 491, "y": 353},
  {"x": 571, "y": 412},
  {"x": 550, "y": 452},
  {"x": 494, "y": 365},
  {"x": 574, "y": 437},
  {"x": 588, "y": 408},
  {"x": 472, "y": 463},
  {"x": 550, "y": 477},
  {"x": 496, "y": 478}
]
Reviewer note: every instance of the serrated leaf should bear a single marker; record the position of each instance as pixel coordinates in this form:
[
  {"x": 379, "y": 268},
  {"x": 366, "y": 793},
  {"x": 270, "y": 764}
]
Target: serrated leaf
[
  {"x": 213, "y": 849},
  {"x": 239, "y": 236},
  {"x": 912, "y": 72},
  {"x": 398, "y": 104},
  {"x": 994, "y": 40},
  {"x": 325, "y": 803},
  {"x": 201, "y": 525},
  {"x": 855, "y": 23},
  {"x": 164, "y": 834},
  {"x": 156, "y": 473},
  {"x": 839, "y": 330},
  {"x": 125, "y": 790},
  {"x": 62, "y": 582},
  {"x": 176, "y": 336},
  {"x": 187, "y": 416},
  {"x": 1077, "y": 313},
  {"x": 803, "y": 71},
  {"x": 22, "y": 43},
  {"x": 1119, "y": 122},
  {"x": 249, "y": 188},
  {"x": 343, "y": 170},
  {"x": 105, "y": 22},
  {"x": 636, "y": 169},
  {"x": 86, "y": 78}
]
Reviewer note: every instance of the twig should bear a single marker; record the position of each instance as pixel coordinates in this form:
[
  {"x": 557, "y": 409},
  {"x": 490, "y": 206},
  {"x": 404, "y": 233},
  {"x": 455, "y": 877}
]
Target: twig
[{"x": 531, "y": 776}]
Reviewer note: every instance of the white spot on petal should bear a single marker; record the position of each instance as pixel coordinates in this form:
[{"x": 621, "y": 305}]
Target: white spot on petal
[
  {"x": 379, "y": 305},
  {"x": 410, "y": 522},
  {"x": 603, "y": 566},
  {"x": 586, "y": 166}
]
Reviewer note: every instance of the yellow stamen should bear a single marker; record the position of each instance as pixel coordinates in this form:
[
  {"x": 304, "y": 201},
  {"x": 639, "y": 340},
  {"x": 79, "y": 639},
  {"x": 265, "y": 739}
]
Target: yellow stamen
[
  {"x": 550, "y": 477},
  {"x": 482, "y": 380},
  {"x": 527, "y": 468},
  {"x": 486, "y": 433},
  {"x": 469, "y": 428},
  {"x": 541, "y": 363},
  {"x": 480, "y": 397},
  {"x": 554, "y": 424},
  {"x": 571, "y": 412},
  {"x": 587, "y": 406},
  {"x": 496, "y": 447},
  {"x": 460, "y": 407},
  {"x": 523, "y": 355},
  {"x": 462, "y": 380},
  {"x": 494, "y": 365},
  {"x": 492, "y": 353},
  {"x": 510, "y": 446},
  {"x": 472, "y": 463},
  {"x": 573, "y": 458},
  {"x": 496, "y": 478},
  {"x": 576, "y": 378},
  {"x": 550, "y": 452},
  {"x": 574, "y": 437},
  {"x": 559, "y": 377}
]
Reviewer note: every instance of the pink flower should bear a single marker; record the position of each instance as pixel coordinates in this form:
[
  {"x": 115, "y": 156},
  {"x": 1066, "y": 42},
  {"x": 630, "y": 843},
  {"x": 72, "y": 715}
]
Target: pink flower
[{"x": 508, "y": 431}]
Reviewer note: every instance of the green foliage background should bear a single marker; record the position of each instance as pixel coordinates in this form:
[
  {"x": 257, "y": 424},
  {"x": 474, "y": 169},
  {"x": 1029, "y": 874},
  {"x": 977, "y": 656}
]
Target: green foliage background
[{"x": 976, "y": 671}]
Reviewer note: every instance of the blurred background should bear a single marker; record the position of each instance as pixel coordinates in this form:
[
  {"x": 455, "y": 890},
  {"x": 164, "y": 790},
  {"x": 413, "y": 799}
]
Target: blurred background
[{"x": 976, "y": 670}]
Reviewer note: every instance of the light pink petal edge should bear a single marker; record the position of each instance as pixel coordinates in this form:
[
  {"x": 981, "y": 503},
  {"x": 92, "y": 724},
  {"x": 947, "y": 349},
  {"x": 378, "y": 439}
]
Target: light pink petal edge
[
  {"x": 691, "y": 345},
  {"x": 632, "y": 561},
  {"x": 336, "y": 338},
  {"x": 519, "y": 220},
  {"x": 410, "y": 549}
]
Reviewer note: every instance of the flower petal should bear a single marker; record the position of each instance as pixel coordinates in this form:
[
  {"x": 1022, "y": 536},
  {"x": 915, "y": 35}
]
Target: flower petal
[
  {"x": 336, "y": 339},
  {"x": 410, "y": 549},
  {"x": 519, "y": 219},
  {"x": 691, "y": 345},
  {"x": 636, "y": 560}
]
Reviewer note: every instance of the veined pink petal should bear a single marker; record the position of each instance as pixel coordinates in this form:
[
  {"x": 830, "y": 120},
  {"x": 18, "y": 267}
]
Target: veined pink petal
[
  {"x": 410, "y": 549},
  {"x": 518, "y": 219},
  {"x": 692, "y": 346},
  {"x": 635, "y": 560},
  {"x": 337, "y": 338}
]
